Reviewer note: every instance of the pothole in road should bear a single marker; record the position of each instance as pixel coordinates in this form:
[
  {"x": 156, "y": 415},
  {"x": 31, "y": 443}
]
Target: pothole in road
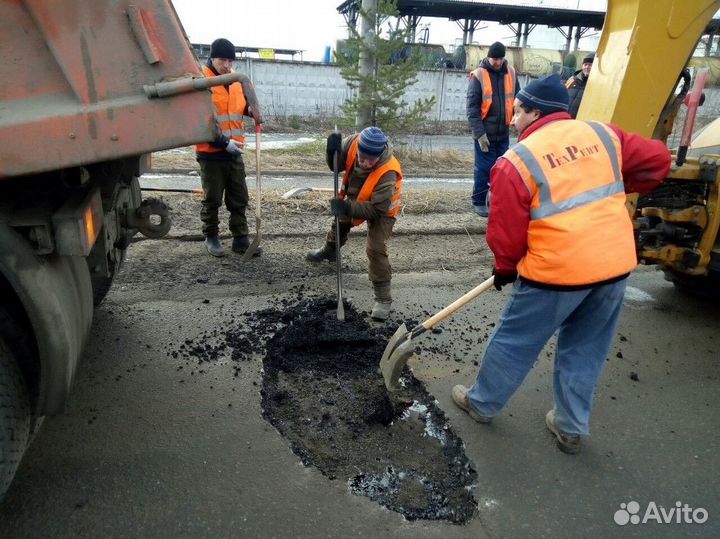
[{"x": 323, "y": 391}]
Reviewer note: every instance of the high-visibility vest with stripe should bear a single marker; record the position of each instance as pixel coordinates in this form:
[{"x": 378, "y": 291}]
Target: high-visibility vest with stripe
[
  {"x": 371, "y": 181},
  {"x": 229, "y": 107},
  {"x": 580, "y": 231},
  {"x": 482, "y": 75}
]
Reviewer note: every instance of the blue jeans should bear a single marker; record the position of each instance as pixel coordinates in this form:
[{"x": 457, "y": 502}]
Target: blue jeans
[
  {"x": 483, "y": 163},
  {"x": 585, "y": 321}
]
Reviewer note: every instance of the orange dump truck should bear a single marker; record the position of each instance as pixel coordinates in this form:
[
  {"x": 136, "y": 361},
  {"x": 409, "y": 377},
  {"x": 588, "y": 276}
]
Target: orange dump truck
[{"x": 87, "y": 90}]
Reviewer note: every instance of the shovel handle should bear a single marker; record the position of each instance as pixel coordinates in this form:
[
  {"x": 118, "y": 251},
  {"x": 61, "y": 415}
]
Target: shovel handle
[
  {"x": 258, "y": 133},
  {"x": 454, "y": 306}
]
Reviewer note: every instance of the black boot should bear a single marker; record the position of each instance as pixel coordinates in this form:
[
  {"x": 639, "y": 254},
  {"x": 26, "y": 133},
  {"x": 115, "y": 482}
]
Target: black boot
[
  {"x": 213, "y": 246},
  {"x": 240, "y": 244},
  {"x": 326, "y": 252}
]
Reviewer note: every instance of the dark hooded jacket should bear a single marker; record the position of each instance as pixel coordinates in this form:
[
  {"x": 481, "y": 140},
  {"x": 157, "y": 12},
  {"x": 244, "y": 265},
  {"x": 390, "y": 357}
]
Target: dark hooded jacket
[{"x": 576, "y": 89}]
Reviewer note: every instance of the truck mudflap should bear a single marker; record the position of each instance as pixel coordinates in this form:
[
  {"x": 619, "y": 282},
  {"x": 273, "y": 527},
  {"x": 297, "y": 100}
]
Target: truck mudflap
[{"x": 56, "y": 294}]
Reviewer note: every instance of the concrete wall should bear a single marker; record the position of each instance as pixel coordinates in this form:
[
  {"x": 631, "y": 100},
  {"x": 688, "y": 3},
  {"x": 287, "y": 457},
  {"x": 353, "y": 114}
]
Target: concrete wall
[
  {"x": 307, "y": 89},
  {"x": 288, "y": 88}
]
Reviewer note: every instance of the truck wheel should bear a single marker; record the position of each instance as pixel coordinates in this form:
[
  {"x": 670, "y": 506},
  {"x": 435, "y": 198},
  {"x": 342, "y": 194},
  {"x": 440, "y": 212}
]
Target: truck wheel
[
  {"x": 707, "y": 287},
  {"x": 14, "y": 415}
]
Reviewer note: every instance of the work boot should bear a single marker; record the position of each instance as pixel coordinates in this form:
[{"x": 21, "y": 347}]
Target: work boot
[
  {"x": 567, "y": 443},
  {"x": 240, "y": 244},
  {"x": 381, "y": 310},
  {"x": 383, "y": 300},
  {"x": 481, "y": 210},
  {"x": 213, "y": 245},
  {"x": 461, "y": 398},
  {"x": 326, "y": 252}
]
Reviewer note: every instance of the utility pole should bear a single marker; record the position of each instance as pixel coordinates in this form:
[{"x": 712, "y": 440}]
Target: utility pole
[{"x": 367, "y": 60}]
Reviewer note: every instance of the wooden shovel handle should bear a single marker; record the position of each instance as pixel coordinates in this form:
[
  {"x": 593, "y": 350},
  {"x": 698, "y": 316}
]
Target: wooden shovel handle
[{"x": 455, "y": 305}]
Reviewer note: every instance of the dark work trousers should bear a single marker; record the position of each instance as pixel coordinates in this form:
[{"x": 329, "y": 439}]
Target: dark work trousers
[
  {"x": 379, "y": 232},
  {"x": 228, "y": 178},
  {"x": 483, "y": 163}
]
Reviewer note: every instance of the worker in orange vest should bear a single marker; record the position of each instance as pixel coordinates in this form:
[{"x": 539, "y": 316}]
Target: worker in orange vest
[
  {"x": 221, "y": 163},
  {"x": 490, "y": 94},
  {"x": 558, "y": 221},
  {"x": 370, "y": 192}
]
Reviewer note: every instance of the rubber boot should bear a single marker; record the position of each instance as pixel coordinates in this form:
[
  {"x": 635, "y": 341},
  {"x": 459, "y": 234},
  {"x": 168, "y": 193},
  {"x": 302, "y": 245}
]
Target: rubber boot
[
  {"x": 240, "y": 244},
  {"x": 383, "y": 301},
  {"x": 326, "y": 252},
  {"x": 213, "y": 246}
]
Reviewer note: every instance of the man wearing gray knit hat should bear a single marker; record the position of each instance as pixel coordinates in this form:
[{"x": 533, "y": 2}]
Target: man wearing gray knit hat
[
  {"x": 370, "y": 192},
  {"x": 559, "y": 231}
]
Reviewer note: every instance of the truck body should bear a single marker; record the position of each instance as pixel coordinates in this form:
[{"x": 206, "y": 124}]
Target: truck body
[{"x": 77, "y": 123}]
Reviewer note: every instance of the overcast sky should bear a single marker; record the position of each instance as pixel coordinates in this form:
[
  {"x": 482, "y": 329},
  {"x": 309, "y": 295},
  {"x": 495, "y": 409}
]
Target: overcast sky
[{"x": 311, "y": 25}]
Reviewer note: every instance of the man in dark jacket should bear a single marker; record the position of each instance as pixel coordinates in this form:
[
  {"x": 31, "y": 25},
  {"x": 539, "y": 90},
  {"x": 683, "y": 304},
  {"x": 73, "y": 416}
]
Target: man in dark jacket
[
  {"x": 221, "y": 163},
  {"x": 576, "y": 84},
  {"x": 490, "y": 95}
]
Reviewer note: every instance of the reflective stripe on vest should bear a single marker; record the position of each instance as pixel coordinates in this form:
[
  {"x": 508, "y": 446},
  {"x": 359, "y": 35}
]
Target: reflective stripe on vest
[
  {"x": 482, "y": 75},
  {"x": 229, "y": 108},
  {"x": 372, "y": 180},
  {"x": 579, "y": 232}
]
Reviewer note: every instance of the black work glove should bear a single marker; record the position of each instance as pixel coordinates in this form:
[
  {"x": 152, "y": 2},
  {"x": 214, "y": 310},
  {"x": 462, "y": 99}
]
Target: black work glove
[
  {"x": 334, "y": 144},
  {"x": 339, "y": 207},
  {"x": 503, "y": 277}
]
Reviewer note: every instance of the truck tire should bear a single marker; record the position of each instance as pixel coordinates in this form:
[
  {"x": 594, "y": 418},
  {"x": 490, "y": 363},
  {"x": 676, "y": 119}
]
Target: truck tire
[
  {"x": 707, "y": 287},
  {"x": 15, "y": 416}
]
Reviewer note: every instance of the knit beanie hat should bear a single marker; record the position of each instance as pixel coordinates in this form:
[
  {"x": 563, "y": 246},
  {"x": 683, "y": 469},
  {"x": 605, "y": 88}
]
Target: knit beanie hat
[
  {"x": 589, "y": 58},
  {"x": 222, "y": 48},
  {"x": 547, "y": 94},
  {"x": 496, "y": 50},
  {"x": 372, "y": 141}
]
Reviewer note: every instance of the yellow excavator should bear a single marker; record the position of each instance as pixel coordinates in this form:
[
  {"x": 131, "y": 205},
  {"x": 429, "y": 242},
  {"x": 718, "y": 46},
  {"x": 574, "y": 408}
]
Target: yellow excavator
[{"x": 639, "y": 81}]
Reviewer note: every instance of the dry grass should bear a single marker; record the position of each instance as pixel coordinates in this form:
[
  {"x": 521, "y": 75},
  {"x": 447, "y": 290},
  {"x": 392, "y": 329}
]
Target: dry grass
[
  {"x": 413, "y": 203},
  {"x": 310, "y": 156}
]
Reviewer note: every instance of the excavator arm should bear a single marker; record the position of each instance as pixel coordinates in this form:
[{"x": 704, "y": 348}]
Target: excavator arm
[{"x": 640, "y": 63}]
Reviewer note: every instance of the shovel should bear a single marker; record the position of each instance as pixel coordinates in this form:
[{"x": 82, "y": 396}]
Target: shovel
[
  {"x": 335, "y": 141},
  {"x": 400, "y": 346},
  {"x": 258, "y": 210}
]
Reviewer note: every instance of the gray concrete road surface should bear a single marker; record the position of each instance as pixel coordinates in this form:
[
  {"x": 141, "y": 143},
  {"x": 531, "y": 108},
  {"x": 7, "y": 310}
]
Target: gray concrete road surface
[{"x": 154, "y": 447}]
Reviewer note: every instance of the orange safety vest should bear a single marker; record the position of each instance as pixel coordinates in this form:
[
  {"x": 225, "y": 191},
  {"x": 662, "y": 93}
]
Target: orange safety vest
[
  {"x": 483, "y": 76},
  {"x": 371, "y": 181},
  {"x": 580, "y": 232},
  {"x": 229, "y": 106}
]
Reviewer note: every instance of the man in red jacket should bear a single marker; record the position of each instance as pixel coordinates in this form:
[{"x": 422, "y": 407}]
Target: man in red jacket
[{"x": 559, "y": 222}]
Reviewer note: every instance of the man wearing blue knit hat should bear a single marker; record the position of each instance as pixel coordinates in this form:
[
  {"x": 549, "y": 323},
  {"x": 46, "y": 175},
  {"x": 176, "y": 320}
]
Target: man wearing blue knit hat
[
  {"x": 559, "y": 230},
  {"x": 370, "y": 192}
]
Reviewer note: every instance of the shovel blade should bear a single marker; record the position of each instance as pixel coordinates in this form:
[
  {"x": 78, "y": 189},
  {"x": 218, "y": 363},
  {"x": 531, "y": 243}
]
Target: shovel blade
[
  {"x": 396, "y": 354},
  {"x": 248, "y": 254}
]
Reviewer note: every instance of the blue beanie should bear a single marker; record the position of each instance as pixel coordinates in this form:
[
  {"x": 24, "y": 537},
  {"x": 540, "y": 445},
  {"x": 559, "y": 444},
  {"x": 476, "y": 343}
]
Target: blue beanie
[
  {"x": 222, "y": 48},
  {"x": 372, "y": 141},
  {"x": 547, "y": 94}
]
